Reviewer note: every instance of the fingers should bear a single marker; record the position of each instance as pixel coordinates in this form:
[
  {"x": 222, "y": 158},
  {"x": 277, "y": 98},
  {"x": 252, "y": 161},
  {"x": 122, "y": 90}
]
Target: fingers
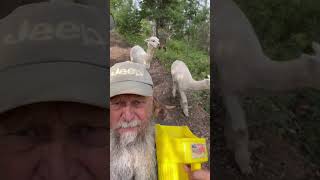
[
  {"x": 200, "y": 175},
  {"x": 197, "y": 175}
]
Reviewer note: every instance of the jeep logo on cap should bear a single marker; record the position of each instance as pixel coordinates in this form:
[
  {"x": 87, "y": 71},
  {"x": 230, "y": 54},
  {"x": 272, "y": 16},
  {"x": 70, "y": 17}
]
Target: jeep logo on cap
[
  {"x": 48, "y": 31},
  {"x": 124, "y": 71}
]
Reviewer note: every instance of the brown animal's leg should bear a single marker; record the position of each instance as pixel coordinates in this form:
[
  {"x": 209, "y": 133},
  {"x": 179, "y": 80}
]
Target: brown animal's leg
[{"x": 238, "y": 133}]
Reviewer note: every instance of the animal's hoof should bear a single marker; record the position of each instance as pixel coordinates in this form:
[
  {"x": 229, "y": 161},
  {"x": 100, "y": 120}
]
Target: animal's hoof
[{"x": 170, "y": 107}]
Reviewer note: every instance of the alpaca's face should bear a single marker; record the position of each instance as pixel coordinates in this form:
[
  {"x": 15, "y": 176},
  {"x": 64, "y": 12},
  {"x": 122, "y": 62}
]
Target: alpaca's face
[{"x": 153, "y": 42}]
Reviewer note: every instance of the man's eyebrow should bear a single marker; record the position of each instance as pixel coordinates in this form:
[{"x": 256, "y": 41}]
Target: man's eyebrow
[{"x": 140, "y": 97}]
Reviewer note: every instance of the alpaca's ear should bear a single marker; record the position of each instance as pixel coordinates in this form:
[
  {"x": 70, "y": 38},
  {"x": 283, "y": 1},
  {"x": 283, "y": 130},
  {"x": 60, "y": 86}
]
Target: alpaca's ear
[
  {"x": 146, "y": 40},
  {"x": 316, "y": 47}
]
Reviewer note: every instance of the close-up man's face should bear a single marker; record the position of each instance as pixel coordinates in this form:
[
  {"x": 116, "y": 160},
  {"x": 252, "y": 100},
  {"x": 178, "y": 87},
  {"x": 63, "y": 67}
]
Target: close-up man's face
[
  {"x": 130, "y": 113},
  {"x": 132, "y": 137},
  {"x": 56, "y": 140}
]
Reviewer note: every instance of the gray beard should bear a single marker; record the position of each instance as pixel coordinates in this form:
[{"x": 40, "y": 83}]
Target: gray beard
[{"x": 133, "y": 155}]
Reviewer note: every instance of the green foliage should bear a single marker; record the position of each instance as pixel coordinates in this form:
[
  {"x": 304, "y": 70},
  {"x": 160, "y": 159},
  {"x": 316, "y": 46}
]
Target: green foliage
[
  {"x": 136, "y": 39},
  {"x": 196, "y": 60},
  {"x": 187, "y": 20},
  {"x": 126, "y": 17},
  {"x": 285, "y": 27},
  {"x": 146, "y": 27}
]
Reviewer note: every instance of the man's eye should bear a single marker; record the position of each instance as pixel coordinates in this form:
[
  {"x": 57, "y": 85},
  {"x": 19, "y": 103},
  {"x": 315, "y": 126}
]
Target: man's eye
[
  {"x": 115, "y": 104},
  {"x": 136, "y": 103}
]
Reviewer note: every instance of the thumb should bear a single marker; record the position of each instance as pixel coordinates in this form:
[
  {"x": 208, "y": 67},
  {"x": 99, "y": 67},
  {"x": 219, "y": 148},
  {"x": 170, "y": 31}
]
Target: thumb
[{"x": 187, "y": 169}]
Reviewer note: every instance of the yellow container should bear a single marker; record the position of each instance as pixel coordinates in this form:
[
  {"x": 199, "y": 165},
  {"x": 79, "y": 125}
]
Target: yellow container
[{"x": 177, "y": 146}]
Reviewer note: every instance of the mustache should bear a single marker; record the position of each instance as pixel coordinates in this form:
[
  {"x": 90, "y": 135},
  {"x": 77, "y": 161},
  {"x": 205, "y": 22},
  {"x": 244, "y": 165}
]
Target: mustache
[{"x": 131, "y": 124}]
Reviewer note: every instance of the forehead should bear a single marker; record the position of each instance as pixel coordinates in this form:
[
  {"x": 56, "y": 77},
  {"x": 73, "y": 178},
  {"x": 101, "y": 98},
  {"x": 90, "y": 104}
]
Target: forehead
[{"x": 51, "y": 112}]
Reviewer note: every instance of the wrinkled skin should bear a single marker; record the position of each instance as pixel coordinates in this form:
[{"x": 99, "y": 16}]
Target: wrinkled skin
[{"x": 130, "y": 107}]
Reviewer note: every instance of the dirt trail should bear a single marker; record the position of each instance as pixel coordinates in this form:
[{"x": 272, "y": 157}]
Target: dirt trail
[
  {"x": 198, "y": 120},
  {"x": 275, "y": 159}
]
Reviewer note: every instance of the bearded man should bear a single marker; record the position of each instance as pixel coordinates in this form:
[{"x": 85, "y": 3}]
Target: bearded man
[{"x": 132, "y": 114}]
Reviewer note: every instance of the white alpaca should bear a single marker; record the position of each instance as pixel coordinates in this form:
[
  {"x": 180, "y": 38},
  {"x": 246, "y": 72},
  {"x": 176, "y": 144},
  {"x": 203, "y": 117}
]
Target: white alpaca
[
  {"x": 243, "y": 68},
  {"x": 138, "y": 55},
  {"x": 183, "y": 81}
]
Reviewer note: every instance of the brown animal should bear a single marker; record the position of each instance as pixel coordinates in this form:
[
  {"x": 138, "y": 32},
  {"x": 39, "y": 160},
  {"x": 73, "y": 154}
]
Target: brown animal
[{"x": 242, "y": 68}]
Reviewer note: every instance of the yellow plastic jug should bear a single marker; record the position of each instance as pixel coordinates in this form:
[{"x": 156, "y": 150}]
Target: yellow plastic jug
[{"x": 177, "y": 146}]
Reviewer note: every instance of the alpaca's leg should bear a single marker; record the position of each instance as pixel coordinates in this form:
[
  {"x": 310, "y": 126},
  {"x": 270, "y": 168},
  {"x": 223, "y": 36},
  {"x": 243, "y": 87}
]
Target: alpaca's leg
[
  {"x": 183, "y": 101},
  {"x": 174, "y": 88},
  {"x": 238, "y": 134}
]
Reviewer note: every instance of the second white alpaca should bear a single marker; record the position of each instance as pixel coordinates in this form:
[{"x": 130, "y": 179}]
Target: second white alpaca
[
  {"x": 138, "y": 55},
  {"x": 183, "y": 81}
]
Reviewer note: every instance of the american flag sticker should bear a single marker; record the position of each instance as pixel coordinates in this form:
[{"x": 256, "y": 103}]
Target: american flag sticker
[{"x": 198, "y": 150}]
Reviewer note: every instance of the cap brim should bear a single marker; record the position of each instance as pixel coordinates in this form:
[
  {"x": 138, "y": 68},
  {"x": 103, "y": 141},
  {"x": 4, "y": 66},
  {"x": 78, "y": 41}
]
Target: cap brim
[
  {"x": 130, "y": 87},
  {"x": 53, "y": 81}
]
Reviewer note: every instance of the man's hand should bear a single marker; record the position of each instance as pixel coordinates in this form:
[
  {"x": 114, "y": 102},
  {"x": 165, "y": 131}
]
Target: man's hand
[{"x": 197, "y": 175}]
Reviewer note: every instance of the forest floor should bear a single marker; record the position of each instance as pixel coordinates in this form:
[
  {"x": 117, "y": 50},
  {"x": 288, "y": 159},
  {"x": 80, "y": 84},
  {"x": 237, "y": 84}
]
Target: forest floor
[{"x": 276, "y": 158}]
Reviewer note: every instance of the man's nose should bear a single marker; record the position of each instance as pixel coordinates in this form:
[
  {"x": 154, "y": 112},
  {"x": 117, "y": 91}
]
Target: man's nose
[
  {"x": 56, "y": 163},
  {"x": 128, "y": 113}
]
